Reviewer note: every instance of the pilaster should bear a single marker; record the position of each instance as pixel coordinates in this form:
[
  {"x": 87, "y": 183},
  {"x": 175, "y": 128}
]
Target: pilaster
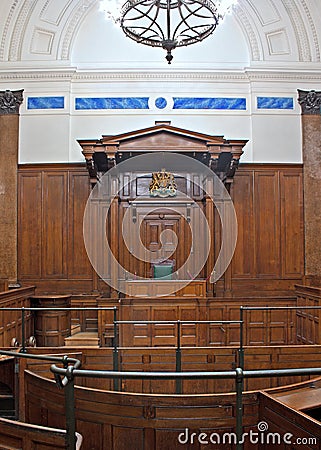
[
  {"x": 310, "y": 102},
  {"x": 10, "y": 102}
]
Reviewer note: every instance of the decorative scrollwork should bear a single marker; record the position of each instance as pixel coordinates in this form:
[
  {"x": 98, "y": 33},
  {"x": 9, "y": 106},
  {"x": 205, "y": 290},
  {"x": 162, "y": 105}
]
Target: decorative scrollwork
[
  {"x": 10, "y": 101},
  {"x": 310, "y": 102}
]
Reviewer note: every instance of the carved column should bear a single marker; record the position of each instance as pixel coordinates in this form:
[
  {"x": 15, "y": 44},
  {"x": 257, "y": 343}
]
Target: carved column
[
  {"x": 10, "y": 102},
  {"x": 310, "y": 102}
]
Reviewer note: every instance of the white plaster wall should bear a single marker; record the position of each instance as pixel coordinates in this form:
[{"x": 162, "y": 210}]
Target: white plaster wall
[{"x": 66, "y": 48}]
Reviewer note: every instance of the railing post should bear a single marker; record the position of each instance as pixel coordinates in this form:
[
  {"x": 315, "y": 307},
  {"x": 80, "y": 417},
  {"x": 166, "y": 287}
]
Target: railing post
[
  {"x": 239, "y": 408},
  {"x": 70, "y": 410},
  {"x": 115, "y": 351},
  {"x": 178, "y": 358},
  {"x": 241, "y": 348},
  {"x": 23, "y": 331}
]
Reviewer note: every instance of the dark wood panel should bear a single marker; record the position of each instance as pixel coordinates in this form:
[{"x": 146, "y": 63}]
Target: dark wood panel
[
  {"x": 79, "y": 266},
  {"x": 30, "y": 225},
  {"x": 308, "y": 320},
  {"x": 149, "y": 359},
  {"x": 51, "y": 249},
  {"x": 268, "y": 257},
  {"x": 11, "y": 321},
  {"x": 16, "y": 436},
  {"x": 267, "y": 222},
  {"x": 292, "y": 224},
  {"x": 261, "y": 327},
  {"x": 244, "y": 256},
  {"x": 54, "y": 263}
]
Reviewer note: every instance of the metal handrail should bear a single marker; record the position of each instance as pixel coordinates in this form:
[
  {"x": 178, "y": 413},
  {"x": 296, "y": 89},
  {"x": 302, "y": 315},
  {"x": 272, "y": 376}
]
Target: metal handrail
[{"x": 238, "y": 374}]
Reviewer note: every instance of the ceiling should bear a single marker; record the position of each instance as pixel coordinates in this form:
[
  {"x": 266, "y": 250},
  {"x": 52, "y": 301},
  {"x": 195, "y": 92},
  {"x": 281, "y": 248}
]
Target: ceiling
[{"x": 74, "y": 33}]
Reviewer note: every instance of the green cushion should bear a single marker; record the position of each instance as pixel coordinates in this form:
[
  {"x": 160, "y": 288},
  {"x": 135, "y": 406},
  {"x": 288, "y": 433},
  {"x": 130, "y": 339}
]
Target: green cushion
[{"x": 163, "y": 271}]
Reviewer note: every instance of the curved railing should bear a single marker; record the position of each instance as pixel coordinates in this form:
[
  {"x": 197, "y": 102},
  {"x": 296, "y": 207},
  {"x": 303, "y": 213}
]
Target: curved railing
[{"x": 71, "y": 369}]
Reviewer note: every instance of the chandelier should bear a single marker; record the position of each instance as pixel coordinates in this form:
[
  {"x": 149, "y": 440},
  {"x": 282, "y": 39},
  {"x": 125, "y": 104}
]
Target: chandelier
[{"x": 167, "y": 23}]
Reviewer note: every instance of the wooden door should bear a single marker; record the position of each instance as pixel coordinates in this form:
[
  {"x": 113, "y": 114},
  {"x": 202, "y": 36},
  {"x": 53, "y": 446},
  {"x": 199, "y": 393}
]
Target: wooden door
[{"x": 163, "y": 238}]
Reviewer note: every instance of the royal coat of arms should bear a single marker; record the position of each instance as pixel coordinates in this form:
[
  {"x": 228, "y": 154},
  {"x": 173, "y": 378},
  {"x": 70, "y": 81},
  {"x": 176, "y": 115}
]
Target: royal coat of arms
[{"x": 162, "y": 184}]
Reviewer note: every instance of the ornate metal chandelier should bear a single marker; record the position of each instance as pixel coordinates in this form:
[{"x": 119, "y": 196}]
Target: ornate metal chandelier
[{"x": 167, "y": 23}]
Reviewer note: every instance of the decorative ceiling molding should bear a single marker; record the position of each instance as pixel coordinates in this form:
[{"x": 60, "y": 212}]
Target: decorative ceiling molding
[
  {"x": 73, "y": 24},
  {"x": 299, "y": 29},
  {"x": 313, "y": 30},
  {"x": 243, "y": 20},
  {"x": 67, "y": 15},
  {"x": 245, "y": 76},
  {"x": 19, "y": 29},
  {"x": 4, "y": 38}
]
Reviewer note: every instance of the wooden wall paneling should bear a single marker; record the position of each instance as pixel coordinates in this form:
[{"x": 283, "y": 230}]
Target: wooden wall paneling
[
  {"x": 87, "y": 320},
  {"x": 126, "y": 259},
  {"x": 11, "y": 320},
  {"x": 102, "y": 253},
  {"x": 216, "y": 332},
  {"x": 165, "y": 414},
  {"x": 79, "y": 266},
  {"x": 243, "y": 263},
  {"x": 209, "y": 266},
  {"x": 197, "y": 247},
  {"x": 292, "y": 224},
  {"x": 203, "y": 359},
  {"x": 139, "y": 334},
  {"x": 265, "y": 248},
  {"x": 267, "y": 224},
  {"x": 308, "y": 323},
  {"x": 164, "y": 334},
  {"x": 114, "y": 245},
  {"x": 281, "y": 327},
  {"x": 54, "y": 252},
  {"x": 220, "y": 284},
  {"x": 16, "y": 435},
  {"x": 30, "y": 225}
]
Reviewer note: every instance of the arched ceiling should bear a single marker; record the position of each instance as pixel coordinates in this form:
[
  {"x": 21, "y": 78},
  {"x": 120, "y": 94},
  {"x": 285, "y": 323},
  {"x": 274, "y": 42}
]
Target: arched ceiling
[{"x": 49, "y": 33}]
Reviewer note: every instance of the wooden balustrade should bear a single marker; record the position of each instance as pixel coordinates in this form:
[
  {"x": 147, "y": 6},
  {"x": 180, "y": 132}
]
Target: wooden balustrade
[
  {"x": 10, "y": 321},
  {"x": 122, "y": 420},
  {"x": 118, "y": 420},
  {"x": 308, "y": 320},
  {"x": 193, "y": 359},
  {"x": 260, "y": 327},
  {"x": 17, "y": 435}
]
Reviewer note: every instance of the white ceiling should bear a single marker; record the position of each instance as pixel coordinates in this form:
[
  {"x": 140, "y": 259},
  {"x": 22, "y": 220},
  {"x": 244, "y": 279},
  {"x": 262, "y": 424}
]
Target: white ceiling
[{"x": 73, "y": 33}]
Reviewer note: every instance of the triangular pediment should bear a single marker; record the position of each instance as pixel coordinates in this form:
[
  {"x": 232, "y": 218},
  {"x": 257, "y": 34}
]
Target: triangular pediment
[
  {"x": 162, "y": 137},
  {"x": 220, "y": 154}
]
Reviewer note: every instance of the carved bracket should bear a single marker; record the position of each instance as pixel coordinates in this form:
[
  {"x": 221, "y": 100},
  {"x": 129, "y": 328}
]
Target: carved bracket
[
  {"x": 10, "y": 101},
  {"x": 310, "y": 102}
]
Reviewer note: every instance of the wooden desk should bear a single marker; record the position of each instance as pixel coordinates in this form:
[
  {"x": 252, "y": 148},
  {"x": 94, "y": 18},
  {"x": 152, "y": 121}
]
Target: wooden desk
[{"x": 165, "y": 288}]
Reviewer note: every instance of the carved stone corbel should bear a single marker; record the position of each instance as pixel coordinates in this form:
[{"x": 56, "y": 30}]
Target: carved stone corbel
[
  {"x": 10, "y": 101},
  {"x": 310, "y": 102}
]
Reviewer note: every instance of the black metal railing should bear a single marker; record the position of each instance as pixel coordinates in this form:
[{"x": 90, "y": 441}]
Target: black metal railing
[
  {"x": 65, "y": 375},
  {"x": 65, "y": 379},
  {"x": 178, "y": 348},
  {"x": 69, "y": 375}
]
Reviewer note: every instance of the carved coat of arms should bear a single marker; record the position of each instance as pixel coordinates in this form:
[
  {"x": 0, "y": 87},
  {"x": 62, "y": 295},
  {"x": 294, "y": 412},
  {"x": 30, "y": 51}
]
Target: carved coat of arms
[{"x": 162, "y": 184}]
